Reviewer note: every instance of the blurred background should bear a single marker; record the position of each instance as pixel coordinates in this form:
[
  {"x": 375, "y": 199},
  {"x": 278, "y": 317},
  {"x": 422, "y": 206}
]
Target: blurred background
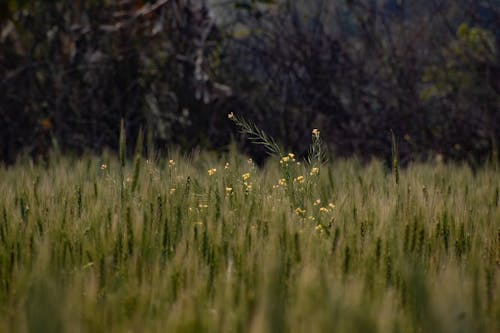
[{"x": 428, "y": 70}]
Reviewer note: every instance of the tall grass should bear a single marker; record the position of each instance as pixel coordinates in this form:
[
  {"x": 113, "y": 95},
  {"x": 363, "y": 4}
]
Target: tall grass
[{"x": 102, "y": 244}]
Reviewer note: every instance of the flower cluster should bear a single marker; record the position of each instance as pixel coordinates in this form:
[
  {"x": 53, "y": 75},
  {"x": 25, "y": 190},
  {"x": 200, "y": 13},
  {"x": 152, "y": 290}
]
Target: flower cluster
[
  {"x": 299, "y": 179},
  {"x": 314, "y": 171},
  {"x": 328, "y": 209},
  {"x": 299, "y": 211},
  {"x": 290, "y": 158}
]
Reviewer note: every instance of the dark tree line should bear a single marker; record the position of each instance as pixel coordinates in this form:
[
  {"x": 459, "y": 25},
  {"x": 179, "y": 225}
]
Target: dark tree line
[{"x": 428, "y": 70}]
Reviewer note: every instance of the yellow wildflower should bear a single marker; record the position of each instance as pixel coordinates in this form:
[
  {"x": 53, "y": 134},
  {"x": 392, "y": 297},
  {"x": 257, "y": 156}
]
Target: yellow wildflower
[
  {"x": 172, "y": 190},
  {"x": 299, "y": 179},
  {"x": 299, "y": 211},
  {"x": 226, "y": 166},
  {"x": 324, "y": 210},
  {"x": 288, "y": 158},
  {"x": 331, "y": 205},
  {"x": 229, "y": 190},
  {"x": 314, "y": 172},
  {"x": 312, "y": 218},
  {"x": 171, "y": 163},
  {"x": 104, "y": 166},
  {"x": 282, "y": 182},
  {"x": 315, "y": 132},
  {"x": 317, "y": 202},
  {"x": 230, "y": 115},
  {"x": 245, "y": 176},
  {"x": 203, "y": 206},
  {"x": 285, "y": 160},
  {"x": 212, "y": 171}
]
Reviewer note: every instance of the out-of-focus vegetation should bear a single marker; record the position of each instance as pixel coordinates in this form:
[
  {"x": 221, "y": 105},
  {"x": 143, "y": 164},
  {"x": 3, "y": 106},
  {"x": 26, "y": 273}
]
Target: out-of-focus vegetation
[
  {"x": 428, "y": 70},
  {"x": 205, "y": 244}
]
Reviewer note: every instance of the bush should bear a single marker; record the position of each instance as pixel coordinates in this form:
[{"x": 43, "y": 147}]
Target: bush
[
  {"x": 358, "y": 71},
  {"x": 71, "y": 70}
]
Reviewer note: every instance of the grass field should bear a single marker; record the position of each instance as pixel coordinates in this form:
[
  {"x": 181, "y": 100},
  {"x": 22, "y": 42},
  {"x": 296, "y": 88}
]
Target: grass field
[{"x": 201, "y": 243}]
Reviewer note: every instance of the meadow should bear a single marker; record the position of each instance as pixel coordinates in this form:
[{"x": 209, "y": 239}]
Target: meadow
[{"x": 213, "y": 243}]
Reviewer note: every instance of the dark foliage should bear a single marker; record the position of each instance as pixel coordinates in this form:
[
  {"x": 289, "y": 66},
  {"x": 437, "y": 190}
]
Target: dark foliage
[{"x": 427, "y": 70}]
